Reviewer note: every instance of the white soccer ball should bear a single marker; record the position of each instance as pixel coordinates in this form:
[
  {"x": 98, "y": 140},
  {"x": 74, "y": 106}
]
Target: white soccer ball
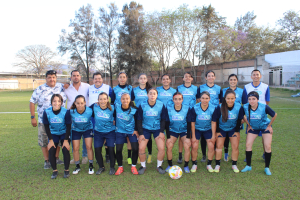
[{"x": 175, "y": 172}]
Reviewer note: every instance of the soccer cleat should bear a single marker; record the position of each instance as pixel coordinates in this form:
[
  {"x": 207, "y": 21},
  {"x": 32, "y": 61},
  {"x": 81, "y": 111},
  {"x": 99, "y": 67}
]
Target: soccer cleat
[
  {"x": 91, "y": 170},
  {"x": 107, "y": 158},
  {"x": 149, "y": 159},
  {"x": 59, "y": 162},
  {"x": 217, "y": 169},
  {"x": 77, "y": 170},
  {"x": 112, "y": 171},
  {"x": 167, "y": 169},
  {"x": 267, "y": 171},
  {"x": 129, "y": 161},
  {"x": 72, "y": 162},
  {"x": 84, "y": 160},
  {"x": 235, "y": 169},
  {"x": 161, "y": 170},
  {"x": 54, "y": 175},
  {"x": 246, "y": 169},
  {"x": 209, "y": 168},
  {"x": 194, "y": 168},
  {"x": 203, "y": 159},
  {"x": 142, "y": 170},
  {"x": 119, "y": 171},
  {"x": 186, "y": 169},
  {"x": 100, "y": 170},
  {"x": 226, "y": 157},
  {"x": 179, "y": 161},
  {"x": 66, "y": 174},
  {"x": 47, "y": 165},
  {"x": 134, "y": 170}
]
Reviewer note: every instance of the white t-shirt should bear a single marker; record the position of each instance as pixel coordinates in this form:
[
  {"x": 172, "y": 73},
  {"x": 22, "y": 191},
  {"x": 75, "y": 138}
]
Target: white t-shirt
[
  {"x": 94, "y": 92},
  {"x": 71, "y": 93},
  {"x": 262, "y": 89}
]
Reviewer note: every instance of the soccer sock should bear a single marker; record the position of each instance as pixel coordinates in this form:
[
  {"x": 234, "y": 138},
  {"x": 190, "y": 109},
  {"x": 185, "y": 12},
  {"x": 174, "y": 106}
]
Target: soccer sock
[
  {"x": 180, "y": 155},
  {"x": 218, "y": 162},
  {"x": 226, "y": 144},
  {"x": 248, "y": 157},
  {"x": 91, "y": 165},
  {"x": 143, "y": 164},
  {"x": 98, "y": 155},
  {"x": 107, "y": 152},
  {"x": 111, "y": 157},
  {"x": 52, "y": 152},
  {"x": 133, "y": 165},
  {"x": 203, "y": 145},
  {"x": 194, "y": 162},
  {"x": 119, "y": 154},
  {"x": 77, "y": 165},
  {"x": 129, "y": 153},
  {"x": 91, "y": 161},
  {"x": 67, "y": 157},
  {"x": 149, "y": 146},
  {"x": 186, "y": 163},
  {"x": 209, "y": 162},
  {"x": 267, "y": 159},
  {"x": 159, "y": 163},
  {"x": 170, "y": 163},
  {"x": 234, "y": 162}
]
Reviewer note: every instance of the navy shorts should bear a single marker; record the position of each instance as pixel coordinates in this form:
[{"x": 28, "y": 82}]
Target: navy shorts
[
  {"x": 227, "y": 133},
  {"x": 147, "y": 133},
  {"x": 259, "y": 132},
  {"x": 121, "y": 138},
  {"x": 93, "y": 122},
  {"x": 57, "y": 138},
  {"x": 177, "y": 134},
  {"x": 99, "y": 138},
  {"x": 207, "y": 134},
  {"x": 77, "y": 135}
]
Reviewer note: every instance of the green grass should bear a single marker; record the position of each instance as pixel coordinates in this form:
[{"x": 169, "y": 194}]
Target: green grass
[{"x": 22, "y": 174}]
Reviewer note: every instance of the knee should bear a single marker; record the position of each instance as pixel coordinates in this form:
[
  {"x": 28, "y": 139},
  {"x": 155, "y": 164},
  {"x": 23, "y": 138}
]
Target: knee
[
  {"x": 52, "y": 150},
  {"x": 268, "y": 147},
  {"x": 135, "y": 146},
  {"x": 187, "y": 144},
  {"x": 65, "y": 150},
  {"x": 195, "y": 145},
  {"x": 210, "y": 146}
]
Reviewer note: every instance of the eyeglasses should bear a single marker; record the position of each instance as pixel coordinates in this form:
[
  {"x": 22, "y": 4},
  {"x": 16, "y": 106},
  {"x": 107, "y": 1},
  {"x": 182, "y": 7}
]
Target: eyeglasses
[{"x": 50, "y": 72}]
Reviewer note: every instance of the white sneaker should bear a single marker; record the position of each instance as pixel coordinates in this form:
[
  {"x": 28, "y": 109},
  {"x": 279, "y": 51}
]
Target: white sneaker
[
  {"x": 76, "y": 171},
  {"x": 235, "y": 169},
  {"x": 194, "y": 168},
  {"x": 217, "y": 169},
  {"x": 91, "y": 170},
  {"x": 209, "y": 168}
]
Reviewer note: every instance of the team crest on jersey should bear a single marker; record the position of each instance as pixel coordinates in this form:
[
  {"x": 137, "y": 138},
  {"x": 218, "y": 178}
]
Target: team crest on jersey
[
  {"x": 142, "y": 94},
  {"x": 204, "y": 117},
  {"x": 151, "y": 113},
  {"x": 212, "y": 92},
  {"x": 81, "y": 119},
  {"x": 102, "y": 115},
  {"x": 232, "y": 116},
  {"x": 56, "y": 120},
  {"x": 165, "y": 94},
  {"x": 187, "y": 92},
  {"x": 255, "y": 116},
  {"x": 177, "y": 118},
  {"x": 123, "y": 116}
]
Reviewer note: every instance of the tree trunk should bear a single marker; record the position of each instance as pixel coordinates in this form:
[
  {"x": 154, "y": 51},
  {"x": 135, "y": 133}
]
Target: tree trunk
[{"x": 87, "y": 63}]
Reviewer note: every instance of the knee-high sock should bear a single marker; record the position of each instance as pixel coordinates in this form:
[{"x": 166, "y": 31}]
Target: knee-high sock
[
  {"x": 111, "y": 153},
  {"x": 98, "y": 155},
  {"x": 226, "y": 144},
  {"x": 248, "y": 157},
  {"x": 52, "y": 152},
  {"x": 67, "y": 158},
  {"x": 203, "y": 145},
  {"x": 149, "y": 146},
  {"x": 267, "y": 159},
  {"x": 135, "y": 152},
  {"x": 119, "y": 154}
]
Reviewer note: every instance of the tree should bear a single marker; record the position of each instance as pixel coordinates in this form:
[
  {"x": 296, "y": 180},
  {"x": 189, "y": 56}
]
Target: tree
[
  {"x": 132, "y": 51},
  {"x": 34, "y": 59},
  {"x": 109, "y": 23},
  {"x": 246, "y": 22},
  {"x": 81, "y": 42}
]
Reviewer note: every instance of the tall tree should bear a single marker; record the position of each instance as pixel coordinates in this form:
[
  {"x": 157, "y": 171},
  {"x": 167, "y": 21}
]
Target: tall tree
[
  {"x": 34, "y": 59},
  {"x": 109, "y": 23},
  {"x": 81, "y": 42},
  {"x": 132, "y": 47}
]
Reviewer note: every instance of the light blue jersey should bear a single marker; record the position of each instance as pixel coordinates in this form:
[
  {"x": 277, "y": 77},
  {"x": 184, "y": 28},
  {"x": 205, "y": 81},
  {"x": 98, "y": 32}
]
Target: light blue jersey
[
  {"x": 203, "y": 117},
  {"x": 178, "y": 119},
  {"x": 165, "y": 96},
  {"x": 233, "y": 116},
  {"x": 139, "y": 96},
  {"x": 214, "y": 91},
  {"x": 118, "y": 91},
  {"x": 57, "y": 122},
  {"x": 151, "y": 116},
  {"x": 81, "y": 122},
  {"x": 258, "y": 119},
  {"x": 104, "y": 119},
  {"x": 238, "y": 94},
  {"x": 125, "y": 122},
  {"x": 189, "y": 94}
]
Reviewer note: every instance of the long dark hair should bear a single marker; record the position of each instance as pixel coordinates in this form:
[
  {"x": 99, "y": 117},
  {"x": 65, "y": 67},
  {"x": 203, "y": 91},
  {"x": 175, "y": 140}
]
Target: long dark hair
[
  {"x": 59, "y": 96},
  {"x": 252, "y": 94},
  {"x": 148, "y": 85},
  {"x": 177, "y": 93},
  {"x": 108, "y": 104},
  {"x": 131, "y": 104},
  {"x": 231, "y": 75},
  {"x": 77, "y": 97},
  {"x": 224, "y": 107},
  {"x": 127, "y": 86}
]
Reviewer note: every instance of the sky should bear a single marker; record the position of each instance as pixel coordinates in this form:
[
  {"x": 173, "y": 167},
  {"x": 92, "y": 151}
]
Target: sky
[{"x": 33, "y": 22}]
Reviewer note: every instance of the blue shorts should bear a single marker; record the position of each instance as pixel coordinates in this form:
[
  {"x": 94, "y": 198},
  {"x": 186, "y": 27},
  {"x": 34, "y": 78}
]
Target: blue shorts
[
  {"x": 121, "y": 138},
  {"x": 147, "y": 133},
  {"x": 177, "y": 134},
  {"x": 227, "y": 133},
  {"x": 259, "y": 132},
  {"x": 93, "y": 122},
  {"x": 57, "y": 138},
  {"x": 77, "y": 135},
  {"x": 207, "y": 134},
  {"x": 99, "y": 138}
]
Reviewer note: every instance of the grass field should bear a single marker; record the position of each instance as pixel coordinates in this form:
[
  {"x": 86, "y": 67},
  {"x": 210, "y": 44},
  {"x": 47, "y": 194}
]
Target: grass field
[{"x": 22, "y": 174}]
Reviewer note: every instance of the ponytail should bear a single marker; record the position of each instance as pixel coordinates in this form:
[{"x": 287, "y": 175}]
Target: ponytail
[
  {"x": 148, "y": 86},
  {"x": 224, "y": 106}
]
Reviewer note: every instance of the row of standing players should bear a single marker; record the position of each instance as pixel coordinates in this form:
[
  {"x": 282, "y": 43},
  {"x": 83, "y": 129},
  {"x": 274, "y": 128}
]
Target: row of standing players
[{"x": 156, "y": 110}]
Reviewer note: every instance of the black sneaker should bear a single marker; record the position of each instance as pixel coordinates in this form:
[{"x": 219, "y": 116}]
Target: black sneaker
[
  {"x": 100, "y": 170},
  {"x": 66, "y": 174},
  {"x": 47, "y": 165},
  {"x": 107, "y": 158},
  {"x": 112, "y": 171},
  {"x": 54, "y": 175},
  {"x": 142, "y": 170},
  {"x": 161, "y": 170},
  {"x": 179, "y": 161},
  {"x": 203, "y": 159}
]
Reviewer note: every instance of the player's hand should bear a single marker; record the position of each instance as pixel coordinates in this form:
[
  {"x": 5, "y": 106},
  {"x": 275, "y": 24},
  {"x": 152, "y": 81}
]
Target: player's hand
[
  {"x": 114, "y": 122},
  {"x": 33, "y": 122},
  {"x": 213, "y": 139},
  {"x": 161, "y": 135},
  {"x": 194, "y": 140},
  {"x": 135, "y": 133},
  {"x": 249, "y": 128},
  {"x": 269, "y": 128},
  {"x": 50, "y": 144},
  {"x": 66, "y": 144},
  {"x": 141, "y": 138},
  {"x": 66, "y": 85}
]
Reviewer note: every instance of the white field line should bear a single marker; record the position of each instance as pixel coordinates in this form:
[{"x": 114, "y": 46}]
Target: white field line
[{"x": 286, "y": 99}]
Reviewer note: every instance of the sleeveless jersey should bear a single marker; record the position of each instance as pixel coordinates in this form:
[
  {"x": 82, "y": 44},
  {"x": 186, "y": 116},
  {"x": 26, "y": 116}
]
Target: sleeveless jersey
[
  {"x": 189, "y": 94},
  {"x": 258, "y": 119},
  {"x": 203, "y": 118},
  {"x": 233, "y": 116},
  {"x": 139, "y": 96},
  {"x": 81, "y": 122},
  {"x": 125, "y": 121},
  {"x": 262, "y": 89},
  {"x": 57, "y": 123},
  {"x": 152, "y": 115},
  {"x": 94, "y": 92},
  {"x": 238, "y": 94},
  {"x": 214, "y": 92},
  {"x": 165, "y": 96},
  {"x": 119, "y": 91},
  {"x": 178, "y": 123},
  {"x": 104, "y": 119}
]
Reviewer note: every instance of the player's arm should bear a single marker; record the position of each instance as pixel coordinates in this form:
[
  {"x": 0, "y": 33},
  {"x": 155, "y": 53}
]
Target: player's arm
[{"x": 32, "y": 113}]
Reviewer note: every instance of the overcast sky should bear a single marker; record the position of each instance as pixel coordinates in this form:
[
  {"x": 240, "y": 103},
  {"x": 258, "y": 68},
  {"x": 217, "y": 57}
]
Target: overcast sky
[{"x": 31, "y": 22}]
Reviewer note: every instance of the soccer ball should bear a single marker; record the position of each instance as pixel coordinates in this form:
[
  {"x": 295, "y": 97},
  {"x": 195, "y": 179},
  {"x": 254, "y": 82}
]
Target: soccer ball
[{"x": 175, "y": 172}]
